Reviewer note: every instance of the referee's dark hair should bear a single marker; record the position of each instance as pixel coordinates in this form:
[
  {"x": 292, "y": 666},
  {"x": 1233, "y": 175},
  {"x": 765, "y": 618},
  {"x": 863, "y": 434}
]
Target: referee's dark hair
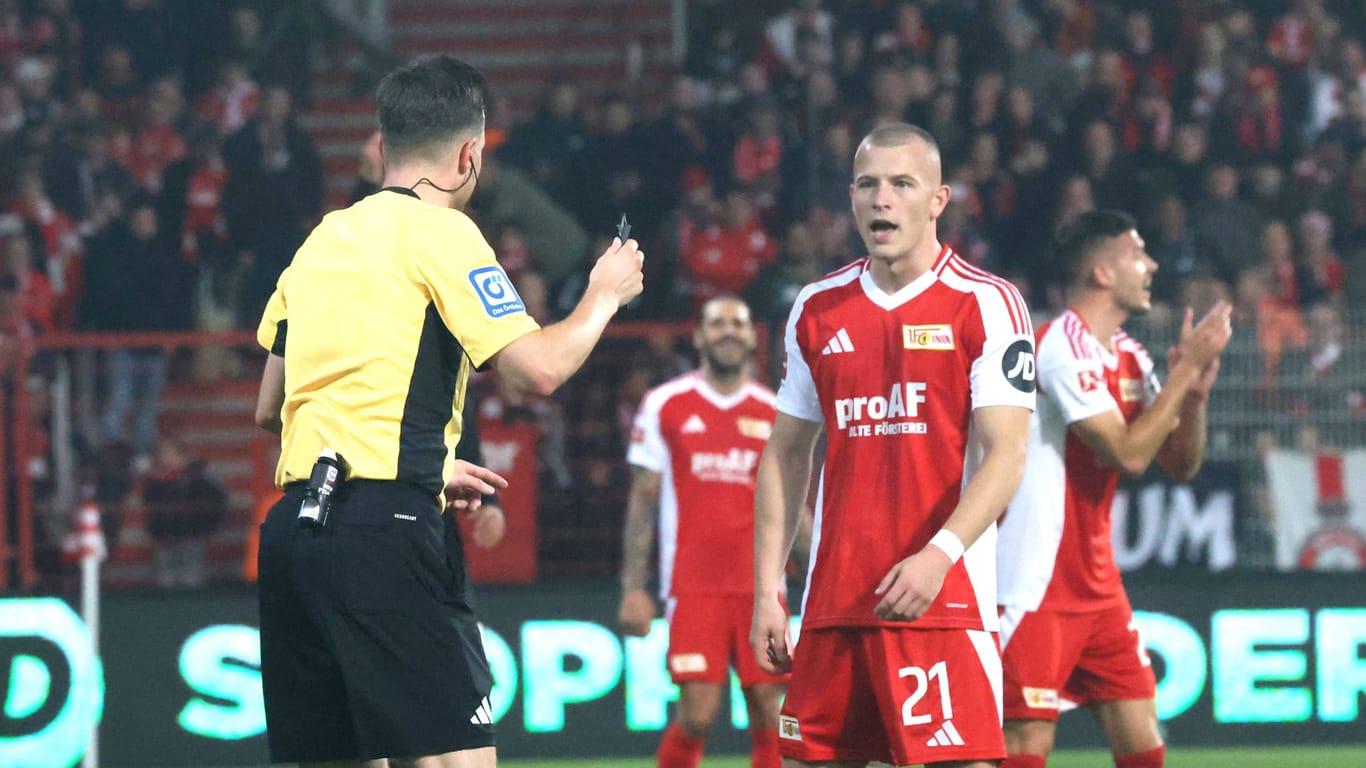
[
  {"x": 427, "y": 104},
  {"x": 1078, "y": 242}
]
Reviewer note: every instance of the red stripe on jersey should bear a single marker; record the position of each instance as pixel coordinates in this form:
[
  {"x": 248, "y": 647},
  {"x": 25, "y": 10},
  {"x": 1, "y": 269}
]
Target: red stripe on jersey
[
  {"x": 1075, "y": 331},
  {"x": 1069, "y": 331},
  {"x": 1008, "y": 294}
]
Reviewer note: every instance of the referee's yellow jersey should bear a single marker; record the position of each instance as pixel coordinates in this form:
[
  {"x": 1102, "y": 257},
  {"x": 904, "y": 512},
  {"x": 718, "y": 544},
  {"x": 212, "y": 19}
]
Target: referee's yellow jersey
[{"x": 380, "y": 317}]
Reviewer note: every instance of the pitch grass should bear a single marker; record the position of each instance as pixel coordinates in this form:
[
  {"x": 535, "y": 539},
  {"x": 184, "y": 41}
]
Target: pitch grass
[{"x": 1268, "y": 757}]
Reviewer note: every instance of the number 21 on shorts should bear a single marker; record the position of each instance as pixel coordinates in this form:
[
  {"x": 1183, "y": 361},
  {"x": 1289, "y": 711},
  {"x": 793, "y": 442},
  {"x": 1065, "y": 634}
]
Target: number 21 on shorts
[{"x": 940, "y": 673}]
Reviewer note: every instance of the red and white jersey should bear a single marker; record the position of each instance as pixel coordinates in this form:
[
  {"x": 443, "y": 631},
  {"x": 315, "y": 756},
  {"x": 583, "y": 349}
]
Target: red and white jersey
[
  {"x": 895, "y": 378},
  {"x": 706, "y": 446},
  {"x": 1055, "y": 549}
]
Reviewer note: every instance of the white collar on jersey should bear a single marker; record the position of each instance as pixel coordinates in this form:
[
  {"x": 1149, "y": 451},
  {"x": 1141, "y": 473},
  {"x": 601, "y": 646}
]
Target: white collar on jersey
[
  {"x": 723, "y": 402},
  {"x": 901, "y": 296}
]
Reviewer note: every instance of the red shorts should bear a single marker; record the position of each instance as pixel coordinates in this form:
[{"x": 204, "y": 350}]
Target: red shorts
[
  {"x": 892, "y": 695},
  {"x": 1052, "y": 657},
  {"x": 708, "y": 634}
]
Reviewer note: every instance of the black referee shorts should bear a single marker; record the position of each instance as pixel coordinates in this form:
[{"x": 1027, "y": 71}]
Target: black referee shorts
[{"x": 369, "y": 648}]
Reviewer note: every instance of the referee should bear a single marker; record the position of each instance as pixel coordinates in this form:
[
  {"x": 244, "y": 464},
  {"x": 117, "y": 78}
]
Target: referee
[{"x": 369, "y": 647}]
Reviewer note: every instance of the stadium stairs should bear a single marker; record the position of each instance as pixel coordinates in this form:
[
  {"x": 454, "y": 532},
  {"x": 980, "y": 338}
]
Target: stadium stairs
[
  {"x": 213, "y": 420},
  {"x": 522, "y": 47}
]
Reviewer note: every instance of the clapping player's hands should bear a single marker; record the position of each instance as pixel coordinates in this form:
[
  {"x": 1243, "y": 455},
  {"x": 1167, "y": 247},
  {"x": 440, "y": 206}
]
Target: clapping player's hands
[
  {"x": 911, "y": 586},
  {"x": 1202, "y": 343},
  {"x": 636, "y": 613},
  {"x": 618, "y": 271},
  {"x": 768, "y": 636},
  {"x": 1218, "y": 329},
  {"x": 469, "y": 484}
]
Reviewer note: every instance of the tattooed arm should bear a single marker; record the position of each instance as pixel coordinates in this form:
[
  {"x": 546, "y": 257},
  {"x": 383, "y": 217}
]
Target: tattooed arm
[{"x": 642, "y": 509}]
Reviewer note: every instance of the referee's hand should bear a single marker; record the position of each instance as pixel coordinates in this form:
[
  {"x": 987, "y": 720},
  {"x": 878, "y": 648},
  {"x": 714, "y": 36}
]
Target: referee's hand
[
  {"x": 617, "y": 272},
  {"x": 469, "y": 484}
]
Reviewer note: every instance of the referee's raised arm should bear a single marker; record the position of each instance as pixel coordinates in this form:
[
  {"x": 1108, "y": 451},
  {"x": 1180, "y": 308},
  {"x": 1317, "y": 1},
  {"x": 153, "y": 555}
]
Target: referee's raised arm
[{"x": 542, "y": 360}]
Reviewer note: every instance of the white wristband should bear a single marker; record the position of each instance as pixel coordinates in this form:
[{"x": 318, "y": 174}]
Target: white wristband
[{"x": 949, "y": 544}]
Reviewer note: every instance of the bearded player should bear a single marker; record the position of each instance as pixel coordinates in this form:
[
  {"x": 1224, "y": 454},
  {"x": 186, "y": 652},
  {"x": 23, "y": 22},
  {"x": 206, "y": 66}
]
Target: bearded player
[{"x": 694, "y": 450}]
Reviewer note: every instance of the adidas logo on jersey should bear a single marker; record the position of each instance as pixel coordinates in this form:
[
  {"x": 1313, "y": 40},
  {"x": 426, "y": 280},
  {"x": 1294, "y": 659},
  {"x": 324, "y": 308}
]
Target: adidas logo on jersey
[
  {"x": 694, "y": 425},
  {"x": 838, "y": 343},
  {"x": 946, "y": 736}
]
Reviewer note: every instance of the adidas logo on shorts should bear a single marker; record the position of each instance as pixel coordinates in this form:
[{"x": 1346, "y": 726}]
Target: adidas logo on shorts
[
  {"x": 946, "y": 736},
  {"x": 483, "y": 714}
]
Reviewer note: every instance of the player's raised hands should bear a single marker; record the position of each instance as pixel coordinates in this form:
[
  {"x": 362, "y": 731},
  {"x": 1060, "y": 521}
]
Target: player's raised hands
[
  {"x": 911, "y": 586},
  {"x": 768, "y": 636},
  {"x": 618, "y": 271},
  {"x": 636, "y": 613},
  {"x": 1208, "y": 375},
  {"x": 1202, "y": 343}
]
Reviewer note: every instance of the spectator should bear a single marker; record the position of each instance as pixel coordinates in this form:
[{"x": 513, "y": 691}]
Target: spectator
[
  {"x": 1209, "y": 81},
  {"x": 781, "y": 34},
  {"x": 272, "y": 196},
  {"x": 84, "y": 178},
  {"x": 1322, "y": 269},
  {"x": 715, "y": 56},
  {"x": 117, "y": 83},
  {"x": 725, "y": 257},
  {"x": 1039, "y": 69},
  {"x": 232, "y": 100},
  {"x": 184, "y": 504},
  {"x": 985, "y": 109},
  {"x": 618, "y": 162},
  {"x": 1226, "y": 224},
  {"x": 158, "y": 143},
  {"x": 908, "y": 39},
  {"x": 1111, "y": 174},
  {"x": 55, "y": 32},
  {"x": 190, "y": 208},
  {"x": 550, "y": 147},
  {"x": 1267, "y": 192},
  {"x": 34, "y": 78},
  {"x": 682, "y": 137},
  {"x": 758, "y": 156},
  {"x": 1173, "y": 246},
  {"x": 851, "y": 67},
  {"x": 1348, "y": 128},
  {"x": 1282, "y": 274},
  {"x": 1259, "y": 129},
  {"x": 139, "y": 285},
  {"x": 775, "y": 287},
  {"x": 57, "y": 246}
]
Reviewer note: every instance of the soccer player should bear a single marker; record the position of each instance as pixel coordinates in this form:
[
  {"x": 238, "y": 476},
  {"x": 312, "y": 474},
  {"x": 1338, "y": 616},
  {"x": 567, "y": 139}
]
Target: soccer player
[
  {"x": 694, "y": 449},
  {"x": 1066, "y": 626},
  {"x": 921, "y": 368}
]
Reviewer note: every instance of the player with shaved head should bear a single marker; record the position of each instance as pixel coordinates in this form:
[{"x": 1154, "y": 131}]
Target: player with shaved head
[{"x": 920, "y": 369}]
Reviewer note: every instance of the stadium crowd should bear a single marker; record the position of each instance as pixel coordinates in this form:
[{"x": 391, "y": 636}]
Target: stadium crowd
[{"x": 155, "y": 179}]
